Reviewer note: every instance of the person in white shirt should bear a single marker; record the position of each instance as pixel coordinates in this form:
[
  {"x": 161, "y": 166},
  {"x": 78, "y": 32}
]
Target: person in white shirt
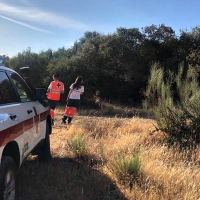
[{"x": 73, "y": 99}]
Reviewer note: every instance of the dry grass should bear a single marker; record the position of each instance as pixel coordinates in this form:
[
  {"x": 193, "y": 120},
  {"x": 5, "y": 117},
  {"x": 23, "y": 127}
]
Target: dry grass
[{"x": 164, "y": 174}]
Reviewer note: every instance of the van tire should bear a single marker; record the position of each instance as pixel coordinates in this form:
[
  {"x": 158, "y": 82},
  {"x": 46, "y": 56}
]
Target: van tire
[
  {"x": 8, "y": 178},
  {"x": 44, "y": 155}
]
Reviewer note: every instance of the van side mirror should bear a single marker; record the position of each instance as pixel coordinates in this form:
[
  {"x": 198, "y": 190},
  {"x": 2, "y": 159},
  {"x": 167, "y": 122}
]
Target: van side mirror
[{"x": 40, "y": 93}]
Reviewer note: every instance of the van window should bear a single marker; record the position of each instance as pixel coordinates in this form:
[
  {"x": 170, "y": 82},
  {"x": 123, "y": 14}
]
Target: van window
[
  {"x": 25, "y": 93},
  {"x": 7, "y": 93}
]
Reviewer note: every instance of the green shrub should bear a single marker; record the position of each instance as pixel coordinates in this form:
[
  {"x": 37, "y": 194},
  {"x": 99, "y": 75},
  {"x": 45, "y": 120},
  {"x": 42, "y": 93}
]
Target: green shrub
[
  {"x": 177, "y": 117},
  {"x": 126, "y": 168},
  {"x": 78, "y": 146}
]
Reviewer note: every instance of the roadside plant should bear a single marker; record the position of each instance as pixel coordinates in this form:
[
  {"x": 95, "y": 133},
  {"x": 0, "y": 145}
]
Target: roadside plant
[
  {"x": 77, "y": 145},
  {"x": 126, "y": 168}
]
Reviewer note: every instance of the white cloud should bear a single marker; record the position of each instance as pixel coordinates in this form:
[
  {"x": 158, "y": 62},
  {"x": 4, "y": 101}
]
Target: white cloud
[
  {"x": 39, "y": 16},
  {"x": 25, "y": 25}
]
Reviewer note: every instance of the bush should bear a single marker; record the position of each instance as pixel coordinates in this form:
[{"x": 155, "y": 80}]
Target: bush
[
  {"x": 126, "y": 168},
  {"x": 78, "y": 146},
  {"x": 177, "y": 117}
]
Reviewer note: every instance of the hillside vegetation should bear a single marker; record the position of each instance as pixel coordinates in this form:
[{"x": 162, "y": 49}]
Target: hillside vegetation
[
  {"x": 109, "y": 158},
  {"x": 115, "y": 67},
  {"x": 114, "y": 152}
]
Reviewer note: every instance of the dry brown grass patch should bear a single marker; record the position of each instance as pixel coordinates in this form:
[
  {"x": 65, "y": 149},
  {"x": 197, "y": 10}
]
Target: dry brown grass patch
[{"x": 165, "y": 173}]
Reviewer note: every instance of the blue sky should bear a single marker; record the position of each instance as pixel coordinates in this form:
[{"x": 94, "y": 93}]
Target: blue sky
[{"x": 44, "y": 24}]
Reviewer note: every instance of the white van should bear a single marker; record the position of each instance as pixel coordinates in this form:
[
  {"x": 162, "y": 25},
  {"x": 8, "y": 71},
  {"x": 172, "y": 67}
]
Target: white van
[{"x": 25, "y": 126}]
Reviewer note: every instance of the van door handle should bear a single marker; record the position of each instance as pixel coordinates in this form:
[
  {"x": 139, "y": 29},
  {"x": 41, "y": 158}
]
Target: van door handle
[
  {"x": 29, "y": 111},
  {"x": 13, "y": 116}
]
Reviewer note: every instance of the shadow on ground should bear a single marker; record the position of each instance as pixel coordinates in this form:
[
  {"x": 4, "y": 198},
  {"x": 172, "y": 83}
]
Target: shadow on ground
[{"x": 64, "y": 179}]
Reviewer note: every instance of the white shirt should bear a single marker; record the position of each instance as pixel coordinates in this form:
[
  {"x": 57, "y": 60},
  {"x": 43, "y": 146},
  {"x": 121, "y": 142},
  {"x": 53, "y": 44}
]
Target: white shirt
[{"x": 76, "y": 93}]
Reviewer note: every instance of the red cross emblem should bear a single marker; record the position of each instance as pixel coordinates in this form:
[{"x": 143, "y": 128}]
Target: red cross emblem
[{"x": 58, "y": 85}]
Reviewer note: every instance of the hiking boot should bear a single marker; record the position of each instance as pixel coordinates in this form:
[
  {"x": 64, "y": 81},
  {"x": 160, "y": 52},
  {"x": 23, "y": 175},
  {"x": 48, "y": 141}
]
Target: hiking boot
[
  {"x": 69, "y": 120},
  {"x": 64, "y": 120}
]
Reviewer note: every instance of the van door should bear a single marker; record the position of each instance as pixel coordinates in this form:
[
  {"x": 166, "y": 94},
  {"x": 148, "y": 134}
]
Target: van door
[
  {"x": 29, "y": 107},
  {"x": 12, "y": 114}
]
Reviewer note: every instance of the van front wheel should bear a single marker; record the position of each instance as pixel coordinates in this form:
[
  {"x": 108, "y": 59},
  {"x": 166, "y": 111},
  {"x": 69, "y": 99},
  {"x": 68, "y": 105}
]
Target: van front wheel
[
  {"x": 45, "y": 153},
  {"x": 8, "y": 186}
]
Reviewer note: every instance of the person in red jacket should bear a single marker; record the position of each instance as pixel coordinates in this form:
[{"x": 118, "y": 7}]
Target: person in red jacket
[
  {"x": 55, "y": 89},
  {"x": 73, "y": 99}
]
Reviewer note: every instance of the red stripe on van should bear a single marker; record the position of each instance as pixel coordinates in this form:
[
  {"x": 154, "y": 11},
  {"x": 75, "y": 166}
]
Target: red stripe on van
[
  {"x": 11, "y": 133},
  {"x": 28, "y": 124},
  {"x": 15, "y": 131}
]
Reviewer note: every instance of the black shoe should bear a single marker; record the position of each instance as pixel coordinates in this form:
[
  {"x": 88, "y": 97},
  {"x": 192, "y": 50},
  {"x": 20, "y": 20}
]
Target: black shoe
[
  {"x": 69, "y": 120},
  {"x": 64, "y": 120}
]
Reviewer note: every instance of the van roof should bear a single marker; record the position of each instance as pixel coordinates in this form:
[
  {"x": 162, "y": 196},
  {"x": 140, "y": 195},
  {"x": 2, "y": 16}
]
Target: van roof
[{"x": 6, "y": 68}]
